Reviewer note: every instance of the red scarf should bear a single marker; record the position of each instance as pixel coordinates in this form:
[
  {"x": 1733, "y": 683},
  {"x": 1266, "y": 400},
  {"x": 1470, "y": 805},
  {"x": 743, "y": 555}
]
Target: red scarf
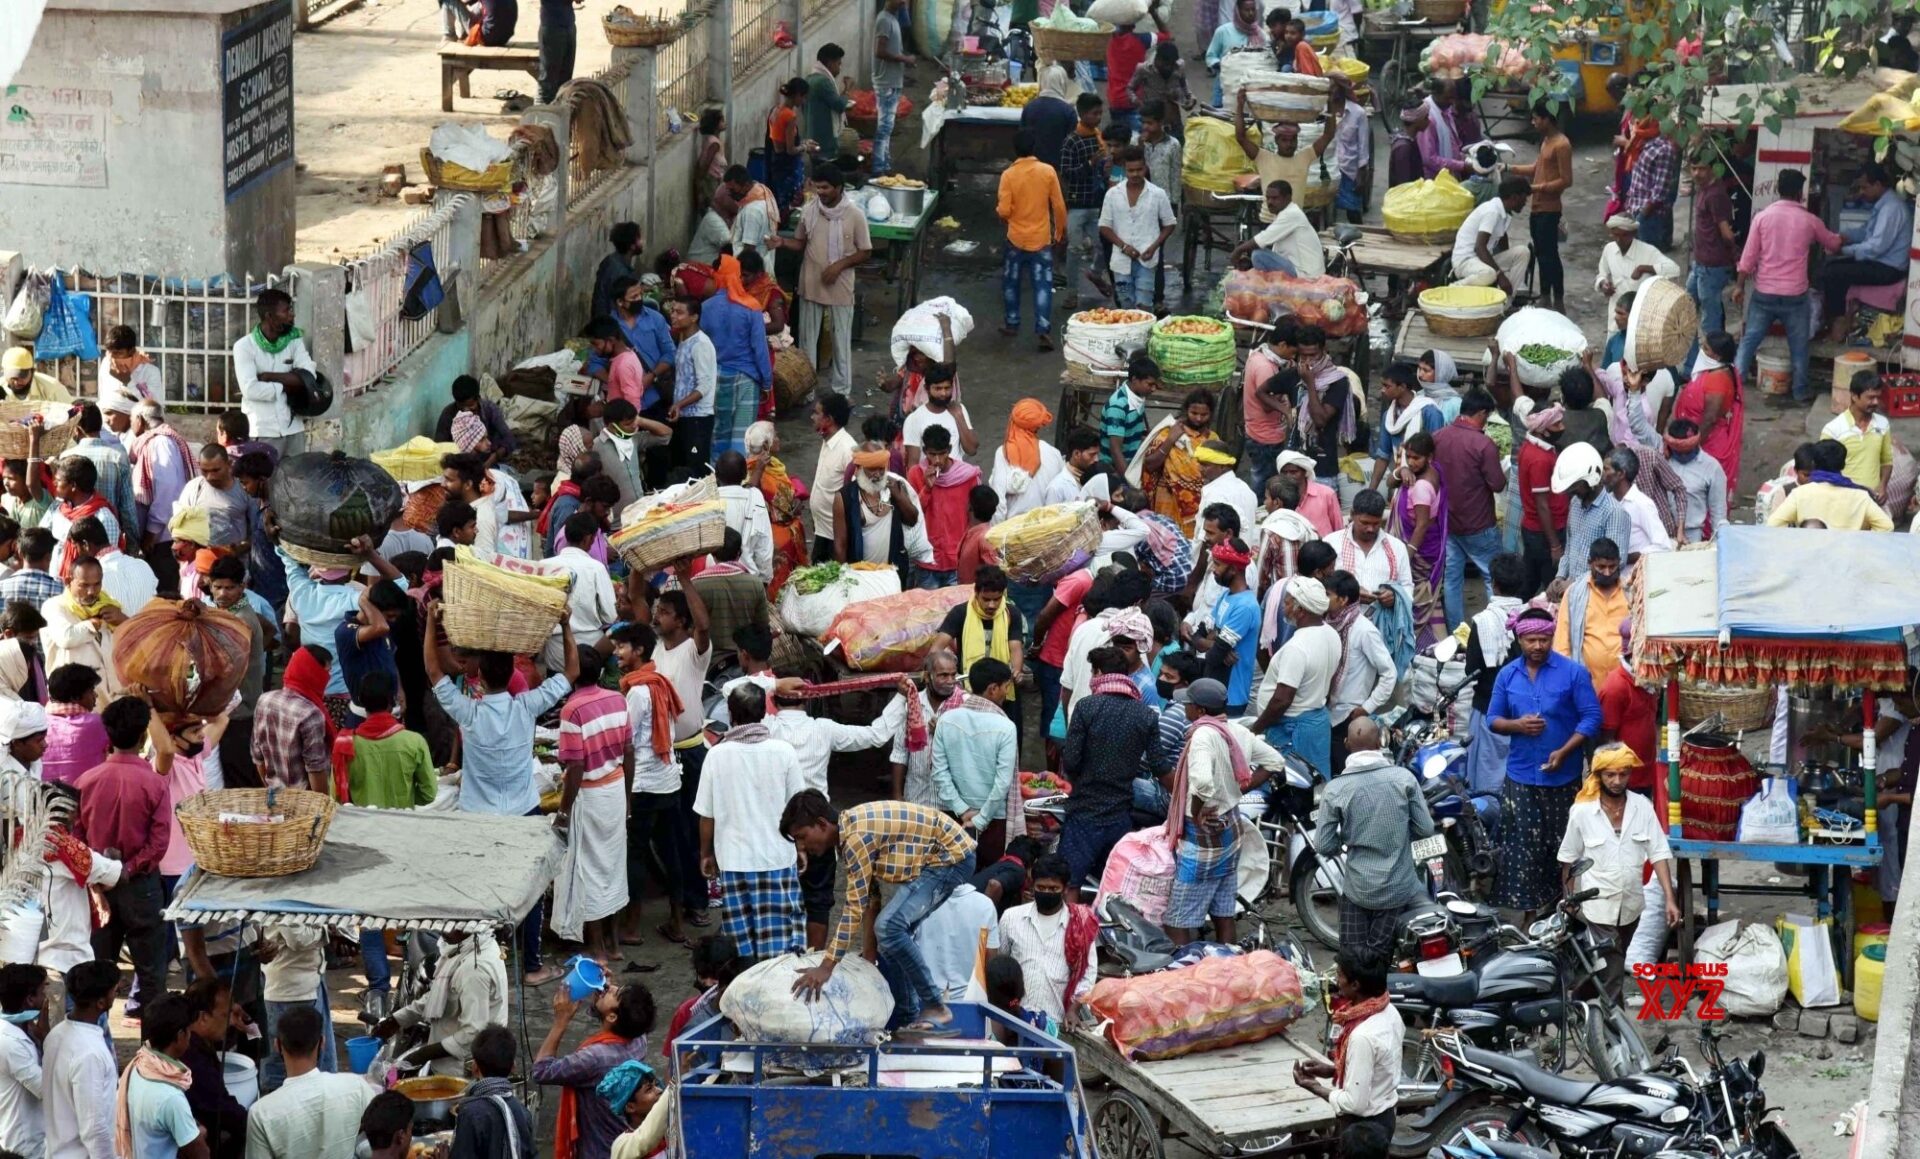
[
  {"x": 72, "y": 514},
  {"x": 1114, "y": 684},
  {"x": 666, "y": 705},
  {"x": 306, "y": 678},
  {"x": 1346, "y": 1018},
  {"x": 566, "y": 487},
  {"x": 378, "y": 726},
  {"x": 566, "y": 1127},
  {"x": 1082, "y": 928}
]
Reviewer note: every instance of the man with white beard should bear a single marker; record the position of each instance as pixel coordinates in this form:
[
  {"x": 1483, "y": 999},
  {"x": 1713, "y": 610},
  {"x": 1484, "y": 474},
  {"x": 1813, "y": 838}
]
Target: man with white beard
[{"x": 890, "y": 526}]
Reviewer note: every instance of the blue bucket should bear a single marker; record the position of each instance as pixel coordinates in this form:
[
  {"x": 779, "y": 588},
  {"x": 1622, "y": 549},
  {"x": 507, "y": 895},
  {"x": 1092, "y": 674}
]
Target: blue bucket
[
  {"x": 584, "y": 976},
  {"x": 360, "y": 1052}
]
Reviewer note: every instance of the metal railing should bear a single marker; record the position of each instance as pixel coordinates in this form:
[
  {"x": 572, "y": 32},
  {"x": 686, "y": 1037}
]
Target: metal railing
[
  {"x": 680, "y": 71},
  {"x": 188, "y": 329},
  {"x": 753, "y": 28},
  {"x": 580, "y": 181},
  {"x": 812, "y": 9},
  {"x": 379, "y": 334}
]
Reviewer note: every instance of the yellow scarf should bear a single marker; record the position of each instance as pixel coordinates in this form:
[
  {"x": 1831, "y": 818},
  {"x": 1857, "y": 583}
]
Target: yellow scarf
[
  {"x": 973, "y": 640},
  {"x": 89, "y": 611}
]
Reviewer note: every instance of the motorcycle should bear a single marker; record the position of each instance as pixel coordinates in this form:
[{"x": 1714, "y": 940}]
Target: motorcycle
[{"x": 1423, "y": 743}]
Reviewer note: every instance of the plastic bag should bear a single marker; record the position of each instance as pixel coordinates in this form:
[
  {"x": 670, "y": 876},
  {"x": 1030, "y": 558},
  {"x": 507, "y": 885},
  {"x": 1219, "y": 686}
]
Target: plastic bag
[
  {"x": 1756, "y": 980},
  {"x": 1534, "y": 326},
  {"x": 67, "y": 328},
  {"x": 29, "y": 308},
  {"x": 852, "y": 1010},
  {"x": 325, "y": 500},
  {"x": 1139, "y": 872},
  {"x": 1214, "y": 1003},
  {"x": 1809, "y": 953},
  {"x": 919, "y": 328},
  {"x": 1213, "y": 157},
  {"x": 1039, "y": 545},
  {"x": 893, "y": 634},
  {"x": 812, "y": 613},
  {"x": 1118, "y": 12},
  {"x": 1772, "y": 817},
  {"x": 1333, "y": 304},
  {"x": 1427, "y": 209}
]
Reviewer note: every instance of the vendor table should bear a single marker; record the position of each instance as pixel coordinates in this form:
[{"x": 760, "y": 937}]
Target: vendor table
[
  {"x": 1403, "y": 264},
  {"x": 976, "y": 140},
  {"x": 1416, "y": 338},
  {"x": 906, "y": 240}
]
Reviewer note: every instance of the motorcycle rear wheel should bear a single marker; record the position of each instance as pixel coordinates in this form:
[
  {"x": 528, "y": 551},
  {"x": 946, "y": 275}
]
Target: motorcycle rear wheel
[
  {"x": 1612, "y": 1044},
  {"x": 1485, "y": 1118},
  {"x": 1315, "y": 901}
]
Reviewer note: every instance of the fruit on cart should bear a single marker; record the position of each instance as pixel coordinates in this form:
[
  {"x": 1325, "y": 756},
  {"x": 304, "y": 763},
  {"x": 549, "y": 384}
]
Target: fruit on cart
[
  {"x": 1043, "y": 784},
  {"x": 1192, "y": 327},
  {"x": 1017, "y": 96}
]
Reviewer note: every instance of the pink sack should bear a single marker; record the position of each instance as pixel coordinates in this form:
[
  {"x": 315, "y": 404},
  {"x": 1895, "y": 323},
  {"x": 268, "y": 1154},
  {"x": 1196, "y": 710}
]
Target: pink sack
[
  {"x": 893, "y": 633},
  {"x": 1215, "y": 1003},
  {"x": 1139, "y": 872}
]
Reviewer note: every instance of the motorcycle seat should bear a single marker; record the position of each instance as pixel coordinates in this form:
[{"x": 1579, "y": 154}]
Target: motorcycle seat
[
  {"x": 1533, "y": 1080},
  {"x": 1444, "y": 992}
]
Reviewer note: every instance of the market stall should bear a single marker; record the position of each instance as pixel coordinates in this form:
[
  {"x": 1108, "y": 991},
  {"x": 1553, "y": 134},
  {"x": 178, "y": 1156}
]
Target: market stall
[
  {"x": 1738, "y": 615},
  {"x": 1405, "y": 267},
  {"x": 975, "y": 140}
]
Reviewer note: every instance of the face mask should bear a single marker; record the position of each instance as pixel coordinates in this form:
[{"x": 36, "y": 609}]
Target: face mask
[
  {"x": 1165, "y": 688},
  {"x": 1606, "y": 582},
  {"x": 27, "y": 1017},
  {"x": 193, "y": 750},
  {"x": 1049, "y": 903}
]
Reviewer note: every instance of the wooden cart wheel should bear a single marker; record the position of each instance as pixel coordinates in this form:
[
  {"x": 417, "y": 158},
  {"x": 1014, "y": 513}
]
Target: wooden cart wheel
[
  {"x": 1065, "y": 419},
  {"x": 1192, "y": 223},
  {"x": 1123, "y": 1128}
]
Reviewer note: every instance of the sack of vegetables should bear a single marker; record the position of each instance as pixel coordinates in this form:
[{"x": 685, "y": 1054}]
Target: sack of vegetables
[
  {"x": 1039, "y": 546},
  {"x": 191, "y": 658},
  {"x": 1333, "y": 304},
  {"x": 896, "y": 633},
  {"x": 813, "y": 596},
  {"x": 1543, "y": 344},
  {"x": 324, "y": 501},
  {"x": 1193, "y": 351}
]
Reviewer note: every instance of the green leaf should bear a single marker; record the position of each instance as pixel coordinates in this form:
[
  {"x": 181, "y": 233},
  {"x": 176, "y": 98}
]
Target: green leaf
[{"x": 1773, "y": 122}]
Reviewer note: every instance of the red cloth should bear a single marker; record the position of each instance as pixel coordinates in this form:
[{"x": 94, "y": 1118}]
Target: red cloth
[
  {"x": 1070, "y": 591},
  {"x": 73, "y": 513},
  {"x": 1082, "y": 928},
  {"x": 1628, "y": 711},
  {"x": 1536, "y": 475},
  {"x": 1126, "y": 52},
  {"x": 566, "y": 1125},
  {"x": 307, "y": 678},
  {"x": 946, "y": 511},
  {"x": 1347, "y": 1016},
  {"x": 1723, "y": 441},
  {"x": 379, "y": 726},
  {"x": 567, "y": 487},
  {"x": 975, "y": 552},
  {"x": 666, "y": 705}
]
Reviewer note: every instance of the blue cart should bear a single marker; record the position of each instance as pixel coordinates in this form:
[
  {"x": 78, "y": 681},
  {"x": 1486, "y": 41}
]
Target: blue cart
[{"x": 966, "y": 1098}]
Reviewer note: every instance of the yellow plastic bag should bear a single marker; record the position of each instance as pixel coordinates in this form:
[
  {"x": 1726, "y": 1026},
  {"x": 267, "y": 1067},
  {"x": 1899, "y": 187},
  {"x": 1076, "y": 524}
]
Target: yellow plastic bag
[
  {"x": 1810, "y": 970},
  {"x": 1427, "y": 210},
  {"x": 1213, "y": 157}
]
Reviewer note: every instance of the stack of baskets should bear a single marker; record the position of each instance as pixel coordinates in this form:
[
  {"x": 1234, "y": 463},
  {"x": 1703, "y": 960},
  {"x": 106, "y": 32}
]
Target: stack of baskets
[
  {"x": 1060, "y": 44},
  {"x": 1463, "y": 311},
  {"x": 690, "y": 520},
  {"x": 1661, "y": 326},
  {"x": 1297, "y": 99},
  {"x": 55, "y": 437},
  {"x": 256, "y": 832},
  {"x": 491, "y": 609}
]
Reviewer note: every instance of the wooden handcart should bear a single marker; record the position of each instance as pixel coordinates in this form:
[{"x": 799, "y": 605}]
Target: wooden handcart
[
  {"x": 1216, "y": 221},
  {"x": 1404, "y": 267},
  {"x": 1415, "y": 338},
  {"x": 973, "y": 141}
]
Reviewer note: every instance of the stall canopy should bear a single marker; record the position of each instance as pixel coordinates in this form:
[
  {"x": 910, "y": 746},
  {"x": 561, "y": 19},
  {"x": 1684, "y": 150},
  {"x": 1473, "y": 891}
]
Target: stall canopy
[
  {"x": 407, "y": 870},
  {"x": 1766, "y": 605}
]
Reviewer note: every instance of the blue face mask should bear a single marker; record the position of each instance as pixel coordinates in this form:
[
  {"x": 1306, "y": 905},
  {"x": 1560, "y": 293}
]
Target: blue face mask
[{"x": 23, "y": 1018}]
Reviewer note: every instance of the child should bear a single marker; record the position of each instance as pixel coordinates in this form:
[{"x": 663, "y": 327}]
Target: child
[
  {"x": 1164, "y": 159},
  {"x": 975, "y": 551},
  {"x": 1007, "y": 989}
]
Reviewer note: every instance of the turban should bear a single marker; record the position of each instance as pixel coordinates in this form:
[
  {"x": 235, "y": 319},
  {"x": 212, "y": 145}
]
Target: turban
[
  {"x": 1309, "y": 593},
  {"x": 1606, "y": 759},
  {"x": 617, "y": 1086},
  {"x": 469, "y": 430},
  {"x": 1624, "y": 221},
  {"x": 29, "y": 719},
  {"x": 204, "y": 559},
  {"x": 1214, "y": 453},
  {"x": 1684, "y": 446},
  {"x": 117, "y": 402},
  {"x": 1132, "y": 624},
  {"x": 1541, "y": 421},
  {"x": 1226, "y": 553},
  {"x": 1293, "y": 459},
  {"x": 192, "y": 524},
  {"x": 1532, "y": 622},
  {"x": 870, "y": 460},
  {"x": 1023, "y": 439}
]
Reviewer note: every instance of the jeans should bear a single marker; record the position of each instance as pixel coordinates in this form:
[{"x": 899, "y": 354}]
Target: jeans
[
  {"x": 1266, "y": 261},
  {"x": 1128, "y": 117},
  {"x": 1035, "y": 266},
  {"x": 836, "y": 374},
  {"x": 455, "y": 20},
  {"x": 556, "y": 59},
  {"x": 1083, "y": 241},
  {"x": 1047, "y": 677},
  {"x": 1763, "y": 310},
  {"x": 1150, "y": 796},
  {"x": 1707, "y": 286},
  {"x": 1261, "y": 457},
  {"x": 373, "y": 959},
  {"x": 1135, "y": 287},
  {"x": 1546, "y": 255},
  {"x": 1656, "y": 229},
  {"x": 273, "y": 1069},
  {"x": 927, "y": 579},
  {"x": 901, "y": 961},
  {"x": 888, "y": 100},
  {"x": 1481, "y": 547},
  {"x": 133, "y": 922}
]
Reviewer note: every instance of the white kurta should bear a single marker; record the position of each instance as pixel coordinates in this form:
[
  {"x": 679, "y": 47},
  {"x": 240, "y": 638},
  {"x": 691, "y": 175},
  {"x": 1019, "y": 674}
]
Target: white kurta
[{"x": 1618, "y": 268}]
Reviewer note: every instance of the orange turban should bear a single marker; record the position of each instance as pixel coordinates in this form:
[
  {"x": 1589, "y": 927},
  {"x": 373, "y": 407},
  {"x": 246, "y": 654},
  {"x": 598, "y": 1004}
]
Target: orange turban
[
  {"x": 871, "y": 460},
  {"x": 1023, "y": 439},
  {"x": 727, "y": 276}
]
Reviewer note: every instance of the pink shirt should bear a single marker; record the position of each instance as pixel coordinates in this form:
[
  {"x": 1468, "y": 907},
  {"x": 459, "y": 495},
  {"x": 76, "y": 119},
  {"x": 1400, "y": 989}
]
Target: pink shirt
[
  {"x": 1262, "y": 427},
  {"x": 1070, "y": 591},
  {"x": 1321, "y": 507},
  {"x": 626, "y": 379},
  {"x": 75, "y": 743},
  {"x": 1777, "y": 247},
  {"x": 187, "y": 777}
]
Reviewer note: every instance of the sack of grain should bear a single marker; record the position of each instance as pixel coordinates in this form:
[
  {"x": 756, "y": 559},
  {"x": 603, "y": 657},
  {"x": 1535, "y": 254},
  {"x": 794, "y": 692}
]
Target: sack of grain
[
  {"x": 1041, "y": 545},
  {"x": 1105, "y": 339},
  {"x": 919, "y": 329}
]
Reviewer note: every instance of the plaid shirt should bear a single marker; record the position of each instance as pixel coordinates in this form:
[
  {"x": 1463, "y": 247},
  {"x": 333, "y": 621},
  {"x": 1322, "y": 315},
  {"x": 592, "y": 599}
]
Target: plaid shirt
[
  {"x": 32, "y": 585},
  {"x": 892, "y": 842},
  {"x": 115, "y": 483},
  {"x": 1171, "y": 576},
  {"x": 1081, "y": 178},
  {"x": 289, "y": 739},
  {"x": 1655, "y": 178}
]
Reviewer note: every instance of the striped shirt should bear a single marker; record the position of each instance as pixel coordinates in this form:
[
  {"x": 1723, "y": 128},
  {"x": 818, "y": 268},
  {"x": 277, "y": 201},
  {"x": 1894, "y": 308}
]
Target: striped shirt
[
  {"x": 1119, "y": 419},
  {"x": 892, "y": 842},
  {"x": 113, "y": 481},
  {"x": 594, "y": 732}
]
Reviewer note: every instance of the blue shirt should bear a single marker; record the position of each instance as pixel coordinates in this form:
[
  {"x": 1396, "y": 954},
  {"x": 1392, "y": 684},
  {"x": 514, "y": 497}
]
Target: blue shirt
[
  {"x": 496, "y": 744},
  {"x": 1887, "y": 234},
  {"x": 1563, "y": 695},
  {"x": 356, "y": 659},
  {"x": 1148, "y": 685},
  {"x": 649, "y": 336},
  {"x": 739, "y": 338},
  {"x": 160, "y": 1119},
  {"x": 321, "y": 608},
  {"x": 1237, "y": 617},
  {"x": 975, "y": 755}
]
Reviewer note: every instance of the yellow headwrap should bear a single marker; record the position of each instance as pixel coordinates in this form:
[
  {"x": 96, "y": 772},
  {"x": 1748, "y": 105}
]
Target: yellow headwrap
[
  {"x": 192, "y": 524},
  {"x": 1606, "y": 759}
]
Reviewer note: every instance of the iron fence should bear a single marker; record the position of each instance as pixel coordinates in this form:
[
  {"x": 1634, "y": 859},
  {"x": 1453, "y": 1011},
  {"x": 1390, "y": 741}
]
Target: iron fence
[
  {"x": 680, "y": 72},
  {"x": 754, "y": 24},
  {"x": 379, "y": 331}
]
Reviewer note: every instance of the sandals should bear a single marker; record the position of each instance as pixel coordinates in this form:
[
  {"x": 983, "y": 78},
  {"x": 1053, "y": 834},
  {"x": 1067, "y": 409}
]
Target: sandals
[
  {"x": 679, "y": 940},
  {"x": 921, "y": 1028}
]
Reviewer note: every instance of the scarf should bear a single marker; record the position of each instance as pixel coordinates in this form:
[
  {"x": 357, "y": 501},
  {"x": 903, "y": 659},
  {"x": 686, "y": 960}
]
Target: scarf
[
  {"x": 973, "y": 642},
  {"x": 1442, "y": 122},
  {"x": 275, "y": 345},
  {"x": 1236, "y": 756},
  {"x": 153, "y": 1066},
  {"x": 961, "y": 698},
  {"x": 747, "y": 734},
  {"x": 1023, "y": 434},
  {"x": 1346, "y": 1018},
  {"x": 1686, "y": 446},
  {"x": 1114, "y": 684},
  {"x": 439, "y": 1000},
  {"x": 566, "y": 1127},
  {"x": 306, "y": 678},
  {"x": 837, "y": 120},
  {"x": 1082, "y": 929},
  {"x": 73, "y": 513},
  {"x": 666, "y": 705},
  {"x": 727, "y": 278},
  {"x": 1496, "y": 637},
  {"x": 1400, "y": 420},
  {"x": 143, "y": 462},
  {"x": 1163, "y": 538},
  {"x": 829, "y": 222},
  {"x": 957, "y": 474},
  {"x": 1444, "y": 369},
  {"x": 16, "y": 670},
  {"x": 1053, "y": 82},
  {"x": 1322, "y": 373},
  {"x": 377, "y": 726},
  {"x": 566, "y": 487},
  {"x": 1248, "y": 28},
  {"x": 1833, "y": 477},
  {"x": 1350, "y": 557},
  {"x": 88, "y": 611},
  {"x": 1342, "y": 622}
]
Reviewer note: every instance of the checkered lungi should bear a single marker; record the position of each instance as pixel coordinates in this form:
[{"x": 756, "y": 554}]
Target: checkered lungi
[
  {"x": 762, "y": 913},
  {"x": 1205, "y": 874},
  {"x": 1367, "y": 930}
]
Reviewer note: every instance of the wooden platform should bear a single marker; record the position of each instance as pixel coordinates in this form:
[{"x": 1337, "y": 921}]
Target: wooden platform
[
  {"x": 1218, "y": 1098},
  {"x": 1469, "y": 354},
  {"x": 458, "y": 62}
]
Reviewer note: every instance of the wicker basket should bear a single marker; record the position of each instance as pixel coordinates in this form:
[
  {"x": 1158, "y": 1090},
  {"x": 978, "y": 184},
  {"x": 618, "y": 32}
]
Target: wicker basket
[
  {"x": 1662, "y": 325},
  {"x": 55, "y": 437},
  {"x": 694, "y": 528},
  {"x": 1433, "y": 237},
  {"x": 1440, "y": 11},
  {"x": 491, "y": 610},
  {"x": 314, "y": 557},
  {"x": 275, "y": 848},
  {"x": 1462, "y": 321},
  {"x": 1057, "y": 44},
  {"x": 630, "y": 33},
  {"x": 1740, "y": 709}
]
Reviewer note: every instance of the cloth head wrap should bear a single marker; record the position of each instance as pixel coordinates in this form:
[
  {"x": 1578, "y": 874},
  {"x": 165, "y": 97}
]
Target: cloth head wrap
[
  {"x": 617, "y": 1086},
  {"x": 29, "y": 719},
  {"x": 1607, "y": 759},
  {"x": 1309, "y": 593},
  {"x": 1624, "y": 221},
  {"x": 469, "y": 430},
  {"x": 1133, "y": 625},
  {"x": 1541, "y": 421},
  {"x": 1293, "y": 459},
  {"x": 192, "y": 524},
  {"x": 870, "y": 460},
  {"x": 203, "y": 561},
  {"x": 1532, "y": 622},
  {"x": 1684, "y": 446},
  {"x": 1023, "y": 433},
  {"x": 1225, "y": 553}
]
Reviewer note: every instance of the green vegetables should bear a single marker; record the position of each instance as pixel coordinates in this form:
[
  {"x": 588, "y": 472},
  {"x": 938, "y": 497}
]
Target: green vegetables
[
  {"x": 818, "y": 578},
  {"x": 1540, "y": 354}
]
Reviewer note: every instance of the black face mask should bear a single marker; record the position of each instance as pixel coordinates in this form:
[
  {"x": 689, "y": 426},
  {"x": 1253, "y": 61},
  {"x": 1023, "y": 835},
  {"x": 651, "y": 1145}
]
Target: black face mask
[
  {"x": 1606, "y": 582},
  {"x": 1049, "y": 903},
  {"x": 193, "y": 750},
  {"x": 1166, "y": 689}
]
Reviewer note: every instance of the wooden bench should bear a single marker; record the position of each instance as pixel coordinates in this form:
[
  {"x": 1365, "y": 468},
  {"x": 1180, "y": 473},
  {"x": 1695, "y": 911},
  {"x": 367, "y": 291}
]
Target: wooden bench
[{"x": 460, "y": 61}]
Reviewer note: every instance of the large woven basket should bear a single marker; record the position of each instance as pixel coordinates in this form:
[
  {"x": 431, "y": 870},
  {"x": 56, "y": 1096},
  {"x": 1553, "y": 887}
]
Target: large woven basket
[
  {"x": 673, "y": 531},
  {"x": 1661, "y": 326},
  {"x": 315, "y": 557},
  {"x": 1438, "y": 12},
  {"x": 55, "y": 437},
  {"x": 1057, "y": 44},
  {"x": 1431, "y": 237},
  {"x": 233, "y": 848},
  {"x": 489, "y": 610},
  {"x": 1740, "y": 709},
  {"x": 626, "y": 30},
  {"x": 1463, "y": 311}
]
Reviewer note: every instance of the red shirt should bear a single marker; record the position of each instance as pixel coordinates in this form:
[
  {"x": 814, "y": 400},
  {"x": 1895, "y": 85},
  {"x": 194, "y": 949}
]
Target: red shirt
[
  {"x": 946, "y": 511},
  {"x": 975, "y": 552},
  {"x": 1126, "y": 52},
  {"x": 124, "y": 811},
  {"x": 1628, "y": 710},
  {"x": 1069, "y": 591},
  {"x": 1535, "y": 478}
]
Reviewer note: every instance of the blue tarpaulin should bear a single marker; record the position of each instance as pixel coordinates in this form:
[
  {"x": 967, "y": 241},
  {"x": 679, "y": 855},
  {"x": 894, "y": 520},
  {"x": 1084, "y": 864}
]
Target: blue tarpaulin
[{"x": 1780, "y": 581}]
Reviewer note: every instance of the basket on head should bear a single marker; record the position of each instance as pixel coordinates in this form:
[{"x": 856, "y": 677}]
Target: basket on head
[
  {"x": 286, "y": 839},
  {"x": 669, "y": 531},
  {"x": 1059, "y": 44},
  {"x": 491, "y": 609},
  {"x": 626, "y": 30},
  {"x": 1661, "y": 326},
  {"x": 56, "y": 433},
  {"x": 314, "y": 557}
]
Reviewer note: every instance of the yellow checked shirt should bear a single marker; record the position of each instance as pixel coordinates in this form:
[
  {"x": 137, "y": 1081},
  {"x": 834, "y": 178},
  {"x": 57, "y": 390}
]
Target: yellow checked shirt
[{"x": 892, "y": 842}]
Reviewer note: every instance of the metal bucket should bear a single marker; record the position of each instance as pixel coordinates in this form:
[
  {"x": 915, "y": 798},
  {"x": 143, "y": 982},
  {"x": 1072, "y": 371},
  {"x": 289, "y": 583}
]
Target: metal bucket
[{"x": 905, "y": 202}]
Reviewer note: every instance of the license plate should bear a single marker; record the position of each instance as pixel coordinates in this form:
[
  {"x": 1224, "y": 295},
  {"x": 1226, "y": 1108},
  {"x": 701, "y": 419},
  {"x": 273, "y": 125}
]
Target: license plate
[
  {"x": 1447, "y": 967},
  {"x": 1428, "y": 848}
]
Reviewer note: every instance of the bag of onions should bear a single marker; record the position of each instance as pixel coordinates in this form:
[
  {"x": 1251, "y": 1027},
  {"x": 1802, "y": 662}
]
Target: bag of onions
[
  {"x": 325, "y": 500},
  {"x": 190, "y": 657}
]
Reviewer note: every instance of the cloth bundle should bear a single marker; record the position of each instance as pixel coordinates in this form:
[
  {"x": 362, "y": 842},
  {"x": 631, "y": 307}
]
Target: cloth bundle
[
  {"x": 1039, "y": 546},
  {"x": 811, "y": 612},
  {"x": 191, "y": 658},
  {"x": 1427, "y": 210},
  {"x": 895, "y": 633},
  {"x": 600, "y": 136},
  {"x": 1333, "y": 304},
  {"x": 852, "y": 1011},
  {"x": 1217, "y": 1002}
]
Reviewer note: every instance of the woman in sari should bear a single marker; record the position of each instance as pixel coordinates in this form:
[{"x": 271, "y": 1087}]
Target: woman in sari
[
  {"x": 762, "y": 287},
  {"x": 1715, "y": 400},
  {"x": 769, "y": 474},
  {"x": 1420, "y": 522},
  {"x": 1169, "y": 473}
]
